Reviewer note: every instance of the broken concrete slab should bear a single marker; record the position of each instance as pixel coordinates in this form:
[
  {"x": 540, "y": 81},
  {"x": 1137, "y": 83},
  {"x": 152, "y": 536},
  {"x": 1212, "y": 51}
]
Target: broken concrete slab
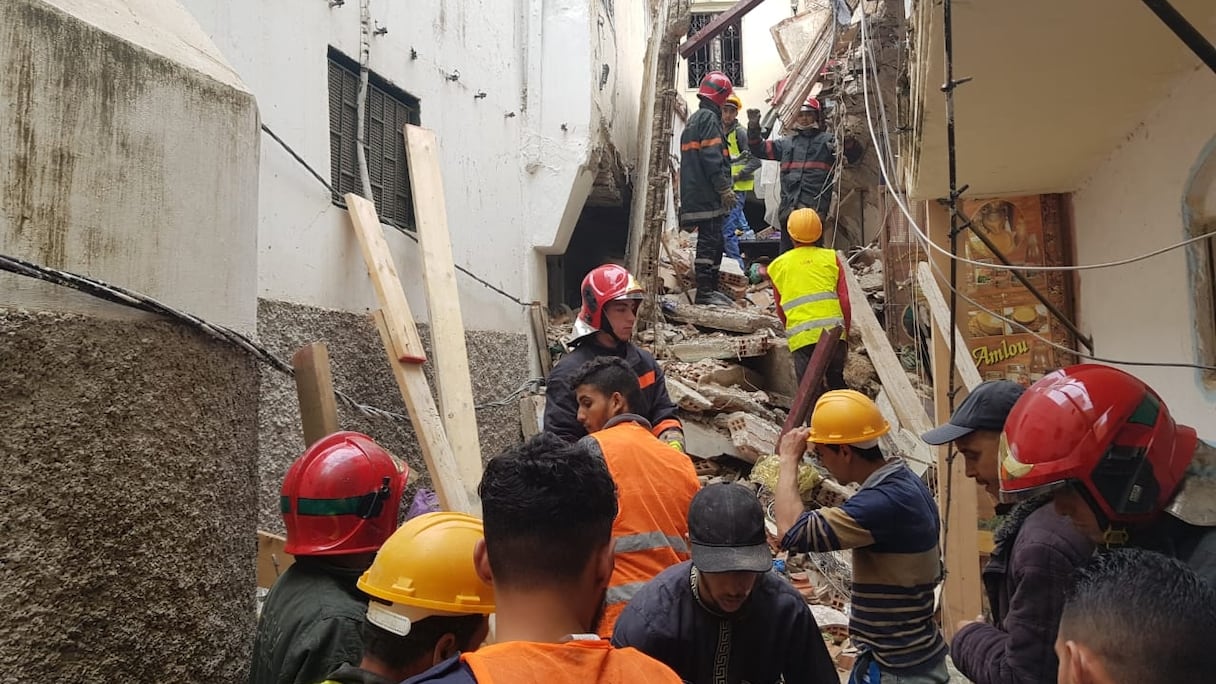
[
  {"x": 734, "y": 375},
  {"x": 706, "y": 441},
  {"x": 777, "y": 367},
  {"x": 734, "y": 399},
  {"x": 720, "y": 318},
  {"x": 754, "y": 437},
  {"x": 722, "y": 347},
  {"x": 686, "y": 397}
]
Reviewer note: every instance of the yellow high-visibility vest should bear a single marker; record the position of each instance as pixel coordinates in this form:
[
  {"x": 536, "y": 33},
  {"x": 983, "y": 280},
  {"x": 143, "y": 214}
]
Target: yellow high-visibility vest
[
  {"x": 734, "y": 146},
  {"x": 806, "y": 279}
]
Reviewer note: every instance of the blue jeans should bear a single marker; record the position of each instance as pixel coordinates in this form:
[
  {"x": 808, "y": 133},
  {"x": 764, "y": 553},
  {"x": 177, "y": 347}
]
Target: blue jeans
[{"x": 735, "y": 220}]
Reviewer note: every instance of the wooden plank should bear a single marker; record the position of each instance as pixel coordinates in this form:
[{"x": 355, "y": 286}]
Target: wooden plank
[
  {"x": 454, "y": 494},
  {"x": 720, "y": 318},
  {"x": 536, "y": 318},
  {"x": 811, "y": 386},
  {"x": 719, "y": 24},
  {"x": 532, "y": 415},
  {"x": 407, "y": 346},
  {"x": 272, "y": 559},
  {"x": 961, "y": 595},
  {"x": 891, "y": 373},
  {"x": 455, "y": 389},
  {"x": 315, "y": 391},
  {"x": 940, "y": 313}
]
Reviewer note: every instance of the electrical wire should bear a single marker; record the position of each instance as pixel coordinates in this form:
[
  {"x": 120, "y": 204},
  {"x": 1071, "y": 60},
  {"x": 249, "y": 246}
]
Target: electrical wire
[
  {"x": 923, "y": 238},
  {"x": 337, "y": 200}
]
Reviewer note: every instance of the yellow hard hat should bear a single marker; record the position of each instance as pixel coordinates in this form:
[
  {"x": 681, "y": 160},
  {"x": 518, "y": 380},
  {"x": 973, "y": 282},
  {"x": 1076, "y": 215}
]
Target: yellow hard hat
[
  {"x": 804, "y": 226},
  {"x": 426, "y": 568},
  {"x": 846, "y": 417},
  {"x": 734, "y": 101}
]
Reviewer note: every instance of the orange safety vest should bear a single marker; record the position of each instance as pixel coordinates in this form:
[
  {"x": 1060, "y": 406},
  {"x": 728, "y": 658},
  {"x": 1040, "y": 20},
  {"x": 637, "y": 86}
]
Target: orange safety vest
[
  {"x": 573, "y": 662},
  {"x": 806, "y": 277},
  {"x": 655, "y": 486}
]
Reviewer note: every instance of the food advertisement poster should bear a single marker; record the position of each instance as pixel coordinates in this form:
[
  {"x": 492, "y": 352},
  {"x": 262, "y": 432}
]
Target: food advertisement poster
[{"x": 1001, "y": 331}]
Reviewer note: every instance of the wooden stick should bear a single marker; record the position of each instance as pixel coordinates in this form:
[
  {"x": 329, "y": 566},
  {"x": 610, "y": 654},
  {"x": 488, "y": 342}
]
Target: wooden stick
[
  {"x": 315, "y": 392},
  {"x": 810, "y": 388},
  {"x": 407, "y": 346},
  {"x": 454, "y": 494},
  {"x": 940, "y": 313},
  {"x": 455, "y": 389}
]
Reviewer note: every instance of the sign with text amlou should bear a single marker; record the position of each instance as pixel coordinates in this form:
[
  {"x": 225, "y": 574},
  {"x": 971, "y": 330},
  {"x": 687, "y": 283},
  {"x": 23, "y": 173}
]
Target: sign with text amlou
[{"x": 1027, "y": 230}]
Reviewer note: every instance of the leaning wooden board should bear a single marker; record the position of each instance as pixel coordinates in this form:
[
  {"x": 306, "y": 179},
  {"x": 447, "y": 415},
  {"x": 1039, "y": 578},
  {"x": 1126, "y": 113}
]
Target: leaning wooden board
[{"x": 455, "y": 389}]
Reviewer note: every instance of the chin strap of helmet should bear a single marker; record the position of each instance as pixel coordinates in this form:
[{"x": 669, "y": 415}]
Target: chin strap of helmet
[{"x": 1114, "y": 534}]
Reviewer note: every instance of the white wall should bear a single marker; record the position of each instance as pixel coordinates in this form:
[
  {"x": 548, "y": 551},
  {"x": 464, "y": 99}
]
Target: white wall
[
  {"x": 1133, "y": 204},
  {"x": 512, "y": 183},
  {"x": 129, "y": 153},
  {"x": 762, "y": 66}
]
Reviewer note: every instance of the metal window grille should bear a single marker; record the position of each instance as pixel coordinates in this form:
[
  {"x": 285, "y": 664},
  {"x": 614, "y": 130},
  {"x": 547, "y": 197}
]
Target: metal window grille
[
  {"x": 724, "y": 53},
  {"x": 388, "y": 110}
]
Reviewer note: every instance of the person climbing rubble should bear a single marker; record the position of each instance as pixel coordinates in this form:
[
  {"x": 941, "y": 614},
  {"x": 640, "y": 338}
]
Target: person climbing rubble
[
  {"x": 811, "y": 295},
  {"x": 604, "y": 326},
  {"x": 707, "y": 194},
  {"x": 427, "y": 604},
  {"x": 724, "y": 616},
  {"x": 340, "y": 501},
  {"x": 743, "y": 167},
  {"x": 547, "y": 552},
  {"x": 655, "y": 483},
  {"x": 808, "y": 158},
  {"x": 892, "y": 526},
  {"x": 1035, "y": 554},
  {"x": 1103, "y": 446}
]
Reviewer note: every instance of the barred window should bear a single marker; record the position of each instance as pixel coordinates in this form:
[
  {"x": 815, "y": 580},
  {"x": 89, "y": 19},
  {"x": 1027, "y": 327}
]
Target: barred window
[
  {"x": 388, "y": 110},
  {"x": 724, "y": 53}
]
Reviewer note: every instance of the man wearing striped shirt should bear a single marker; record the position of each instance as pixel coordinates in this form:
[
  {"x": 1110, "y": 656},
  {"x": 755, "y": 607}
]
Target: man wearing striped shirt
[{"x": 892, "y": 526}]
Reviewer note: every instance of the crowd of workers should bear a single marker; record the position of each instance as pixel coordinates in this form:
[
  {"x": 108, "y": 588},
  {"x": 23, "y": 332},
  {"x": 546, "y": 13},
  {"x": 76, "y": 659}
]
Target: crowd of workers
[{"x": 602, "y": 558}]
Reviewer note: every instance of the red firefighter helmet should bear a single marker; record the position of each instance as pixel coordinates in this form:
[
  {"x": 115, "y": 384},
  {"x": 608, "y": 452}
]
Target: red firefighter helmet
[
  {"x": 607, "y": 283},
  {"x": 812, "y": 105},
  {"x": 1102, "y": 430},
  {"x": 341, "y": 496},
  {"x": 716, "y": 87}
]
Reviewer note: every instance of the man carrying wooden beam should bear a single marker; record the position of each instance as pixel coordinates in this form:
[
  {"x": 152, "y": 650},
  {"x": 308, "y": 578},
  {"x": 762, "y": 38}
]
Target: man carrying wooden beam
[
  {"x": 892, "y": 526},
  {"x": 611, "y": 297}
]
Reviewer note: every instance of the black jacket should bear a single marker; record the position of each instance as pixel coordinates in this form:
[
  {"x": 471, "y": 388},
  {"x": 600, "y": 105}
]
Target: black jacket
[
  {"x": 1031, "y": 565},
  {"x": 772, "y": 636},
  {"x": 807, "y": 159},
  {"x": 704, "y": 166},
  {"x": 311, "y": 623},
  {"x": 561, "y": 407}
]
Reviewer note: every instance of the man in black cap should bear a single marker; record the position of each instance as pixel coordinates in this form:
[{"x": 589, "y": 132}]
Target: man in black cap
[
  {"x": 725, "y": 616},
  {"x": 1035, "y": 553}
]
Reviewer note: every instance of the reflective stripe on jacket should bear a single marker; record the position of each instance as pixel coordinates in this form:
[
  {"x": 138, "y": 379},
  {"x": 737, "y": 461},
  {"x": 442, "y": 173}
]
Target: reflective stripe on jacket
[
  {"x": 806, "y": 279},
  {"x": 655, "y": 486},
  {"x": 741, "y": 158}
]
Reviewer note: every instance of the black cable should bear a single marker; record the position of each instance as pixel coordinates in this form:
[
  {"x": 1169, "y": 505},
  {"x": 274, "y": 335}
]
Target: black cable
[{"x": 337, "y": 199}]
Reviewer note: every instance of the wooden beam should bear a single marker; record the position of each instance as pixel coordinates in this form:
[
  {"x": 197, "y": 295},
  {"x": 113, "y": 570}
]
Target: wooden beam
[
  {"x": 407, "y": 346},
  {"x": 811, "y": 386},
  {"x": 532, "y": 415},
  {"x": 272, "y": 559},
  {"x": 905, "y": 400},
  {"x": 961, "y": 597},
  {"x": 315, "y": 392},
  {"x": 940, "y": 313},
  {"x": 719, "y": 24},
  {"x": 454, "y": 494},
  {"x": 455, "y": 389},
  {"x": 536, "y": 317}
]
